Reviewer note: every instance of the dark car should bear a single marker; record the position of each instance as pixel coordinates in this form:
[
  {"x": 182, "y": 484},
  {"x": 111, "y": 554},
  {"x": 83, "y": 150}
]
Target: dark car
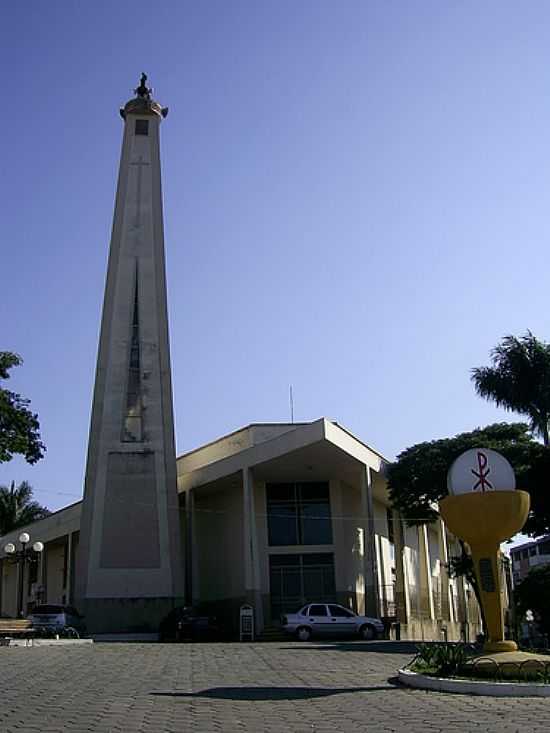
[
  {"x": 185, "y": 624},
  {"x": 57, "y": 618}
]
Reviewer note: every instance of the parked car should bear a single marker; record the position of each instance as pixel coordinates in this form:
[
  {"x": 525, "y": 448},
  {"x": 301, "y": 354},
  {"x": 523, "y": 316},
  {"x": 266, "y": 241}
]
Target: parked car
[
  {"x": 330, "y": 619},
  {"x": 55, "y": 617},
  {"x": 185, "y": 624}
]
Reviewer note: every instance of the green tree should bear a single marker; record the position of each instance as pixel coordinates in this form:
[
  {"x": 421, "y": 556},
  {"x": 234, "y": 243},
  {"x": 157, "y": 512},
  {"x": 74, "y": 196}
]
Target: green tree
[
  {"x": 519, "y": 380},
  {"x": 19, "y": 427},
  {"x": 17, "y": 507},
  {"x": 418, "y": 478},
  {"x": 533, "y": 594}
]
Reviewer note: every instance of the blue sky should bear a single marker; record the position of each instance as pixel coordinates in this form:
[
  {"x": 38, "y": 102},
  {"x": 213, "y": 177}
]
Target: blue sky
[{"x": 356, "y": 202}]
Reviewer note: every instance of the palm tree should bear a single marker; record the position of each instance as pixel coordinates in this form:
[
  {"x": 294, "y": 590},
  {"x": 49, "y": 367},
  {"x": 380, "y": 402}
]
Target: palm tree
[
  {"x": 17, "y": 507},
  {"x": 519, "y": 380}
]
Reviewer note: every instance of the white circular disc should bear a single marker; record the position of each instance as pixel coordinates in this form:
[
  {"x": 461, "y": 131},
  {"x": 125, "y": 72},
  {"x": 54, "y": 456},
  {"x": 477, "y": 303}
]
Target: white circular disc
[{"x": 479, "y": 470}]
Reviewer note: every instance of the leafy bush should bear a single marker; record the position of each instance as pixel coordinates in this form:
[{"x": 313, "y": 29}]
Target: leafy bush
[{"x": 441, "y": 660}]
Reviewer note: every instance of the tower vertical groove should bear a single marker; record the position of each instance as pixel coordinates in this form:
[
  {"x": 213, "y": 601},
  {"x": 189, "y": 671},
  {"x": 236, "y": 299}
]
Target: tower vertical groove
[{"x": 130, "y": 564}]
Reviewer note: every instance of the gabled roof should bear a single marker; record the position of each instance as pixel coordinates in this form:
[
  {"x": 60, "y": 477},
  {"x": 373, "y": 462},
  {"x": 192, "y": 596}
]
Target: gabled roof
[{"x": 261, "y": 443}]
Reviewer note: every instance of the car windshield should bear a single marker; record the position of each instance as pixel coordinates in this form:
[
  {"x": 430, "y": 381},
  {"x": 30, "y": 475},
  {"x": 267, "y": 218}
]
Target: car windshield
[{"x": 48, "y": 610}]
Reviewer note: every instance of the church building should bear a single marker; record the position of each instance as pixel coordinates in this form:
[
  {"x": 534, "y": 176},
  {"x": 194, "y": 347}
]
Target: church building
[{"x": 273, "y": 515}]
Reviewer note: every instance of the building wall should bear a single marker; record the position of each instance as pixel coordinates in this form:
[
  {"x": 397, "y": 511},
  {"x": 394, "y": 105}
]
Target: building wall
[
  {"x": 350, "y": 580},
  {"x": 385, "y": 561},
  {"x": 529, "y": 555},
  {"x": 55, "y": 573},
  {"x": 219, "y": 547},
  {"x": 9, "y": 589}
]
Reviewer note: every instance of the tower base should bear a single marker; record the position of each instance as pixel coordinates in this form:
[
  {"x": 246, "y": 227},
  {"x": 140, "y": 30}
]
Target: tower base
[{"x": 126, "y": 615}]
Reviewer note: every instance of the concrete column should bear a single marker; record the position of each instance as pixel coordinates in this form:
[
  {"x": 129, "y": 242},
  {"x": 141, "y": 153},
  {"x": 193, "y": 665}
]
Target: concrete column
[
  {"x": 69, "y": 571},
  {"x": 372, "y": 604},
  {"x": 255, "y": 578},
  {"x": 247, "y": 534},
  {"x": 465, "y": 608},
  {"x": 43, "y": 574},
  {"x": 426, "y": 588},
  {"x": 251, "y": 556},
  {"x": 341, "y": 561},
  {"x": 193, "y": 546},
  {"x": 381, "y": 575},
  {"x": 446, "y": 600},
  {"x": 188, "y": 549},
  {"x": 402, "y": 600}
]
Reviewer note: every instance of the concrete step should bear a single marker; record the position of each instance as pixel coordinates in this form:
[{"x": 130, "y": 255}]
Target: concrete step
[{"x": 273, "y": 633}]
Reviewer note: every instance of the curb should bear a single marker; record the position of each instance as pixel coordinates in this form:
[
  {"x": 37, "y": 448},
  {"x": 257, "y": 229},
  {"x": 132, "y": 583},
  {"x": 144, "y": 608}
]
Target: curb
[
  {"x": 49, "y": 642},
  {"x": 473, "y": 687}
]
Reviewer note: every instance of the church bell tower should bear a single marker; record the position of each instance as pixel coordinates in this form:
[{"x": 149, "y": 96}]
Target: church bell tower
[{"x": 130, "y": 562}]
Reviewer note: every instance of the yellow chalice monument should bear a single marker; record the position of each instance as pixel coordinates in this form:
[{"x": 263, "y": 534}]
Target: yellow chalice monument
[{"x": 484, "y": 509}]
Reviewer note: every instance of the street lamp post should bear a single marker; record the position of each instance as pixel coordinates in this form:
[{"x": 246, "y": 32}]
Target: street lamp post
[{"x": 22, "y": 556}]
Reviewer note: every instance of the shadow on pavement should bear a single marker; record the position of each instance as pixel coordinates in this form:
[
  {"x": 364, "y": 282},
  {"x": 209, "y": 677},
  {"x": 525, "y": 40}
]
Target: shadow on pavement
[
  {"x": 271, "y": 693},
  {"x": 374, "y": 647}
]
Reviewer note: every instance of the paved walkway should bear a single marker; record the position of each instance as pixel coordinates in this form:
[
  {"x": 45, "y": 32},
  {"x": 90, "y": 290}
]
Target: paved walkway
[{"x": 241, "y": 688}]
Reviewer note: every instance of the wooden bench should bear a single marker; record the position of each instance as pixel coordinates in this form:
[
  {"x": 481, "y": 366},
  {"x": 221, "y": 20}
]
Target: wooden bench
[{"x": 16, "y": 627}]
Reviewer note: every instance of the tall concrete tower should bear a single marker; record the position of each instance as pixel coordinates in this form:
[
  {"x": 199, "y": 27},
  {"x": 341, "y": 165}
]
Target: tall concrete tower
[{"x": 130, "y": 563}]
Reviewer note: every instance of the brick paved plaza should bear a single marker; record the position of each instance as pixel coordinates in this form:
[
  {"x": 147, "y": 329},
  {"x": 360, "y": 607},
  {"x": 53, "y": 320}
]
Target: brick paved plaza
[{"x": 237, "y": 687}]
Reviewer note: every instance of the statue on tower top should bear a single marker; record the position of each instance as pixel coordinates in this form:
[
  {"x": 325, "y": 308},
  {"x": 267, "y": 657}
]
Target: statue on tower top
[
  {"x": 143, "y": 91},
  {"x": 143, "y": 103}
]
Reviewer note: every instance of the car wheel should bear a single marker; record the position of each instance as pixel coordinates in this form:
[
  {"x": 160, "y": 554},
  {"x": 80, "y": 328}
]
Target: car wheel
[
  {"x": 303, "y": 633},
  {"x": 367, "y": 632}
]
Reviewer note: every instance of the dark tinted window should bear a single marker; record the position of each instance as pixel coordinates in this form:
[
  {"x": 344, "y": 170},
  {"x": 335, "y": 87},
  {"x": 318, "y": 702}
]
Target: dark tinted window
[
  {"x": 142, "y": 127},
  {"x": 544, "y": 548},
  {"x": 314, "y": 510},
  {"x": 299, "y": 514},
  {"x": 48, "y": 609},
  {"x": 282, "y": 518},
  {"x": 277, "y": 561},
  {"x": 296, "y": 580},
  {"x": 340, "y": 612},
  {"x": 532, "y": 551},
  {"x": 318, "y": 558},
  {"x": 317, "y": 610}
]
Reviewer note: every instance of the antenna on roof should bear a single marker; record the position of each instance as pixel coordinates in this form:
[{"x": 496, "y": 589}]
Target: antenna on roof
[{"x": 291, "y": 399}]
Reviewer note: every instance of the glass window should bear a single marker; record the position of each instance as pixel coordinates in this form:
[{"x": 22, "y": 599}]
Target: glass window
[
  {"x": 532, "y": 551},
  {"x": 317, "y": 610},
  {"x": 544, "y": 548},
  {"x": 314, "y": 512},
  {"x": 524, "y": 554},
  {"x": 132, "y": 428},
  {"x": 340, "y": 612},
  {"x": 142, "y": 127},
  {"x": 296, "y": 580},
  {"x": 299, "y": 514},
  {"x": 284, "y": 560}
]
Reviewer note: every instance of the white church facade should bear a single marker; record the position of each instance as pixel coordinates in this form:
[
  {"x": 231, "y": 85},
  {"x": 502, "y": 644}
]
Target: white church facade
[
  {"x": 277, "y": 515},
  {"x": 273, "y": 515}
]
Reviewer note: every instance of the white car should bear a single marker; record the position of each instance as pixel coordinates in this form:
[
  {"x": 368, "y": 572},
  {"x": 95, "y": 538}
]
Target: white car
[{"x": 330, "y": 619}]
